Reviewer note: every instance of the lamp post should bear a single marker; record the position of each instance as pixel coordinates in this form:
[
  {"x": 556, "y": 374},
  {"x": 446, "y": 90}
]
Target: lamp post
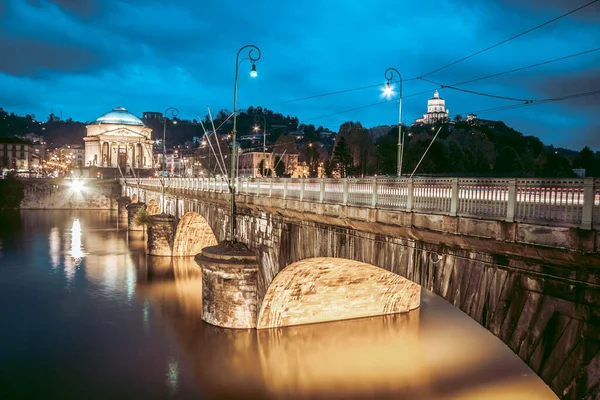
[
  {"x": 174, "y": 113},
  {"x": 257, "y": 119},
  {"x": 232, "y": 181},
  {"x": 388, "y": 91}
]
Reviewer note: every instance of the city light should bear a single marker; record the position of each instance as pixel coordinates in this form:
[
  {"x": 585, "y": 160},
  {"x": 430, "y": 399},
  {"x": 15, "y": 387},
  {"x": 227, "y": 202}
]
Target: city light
[
  {"x": 77, "y": 185},
  {"x": 387, "y": 91},
  {"x": 253, "y": 72}
]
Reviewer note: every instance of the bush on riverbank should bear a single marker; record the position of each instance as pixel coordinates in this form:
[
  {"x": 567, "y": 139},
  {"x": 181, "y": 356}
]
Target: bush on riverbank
[
  {"x": 12, "y": 192},
  {"x": 143, "y": 217}
]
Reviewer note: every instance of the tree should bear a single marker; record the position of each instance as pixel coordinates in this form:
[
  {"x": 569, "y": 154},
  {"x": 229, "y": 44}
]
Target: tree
[
  {"x": 342, "y": 159},
  {"x": 387, "y": 153},
  {"x": 11, "y": 193},
  {"x": 508, "y": 162},
  {"x": 588, "y": 161},
  {"x": 313, "y": 153},
  {"x": 279, "y": 166},
  {"x": 143, "y": 217},
  {"x": 360, "y": 146},
  {"x": 556, "y": 166},
  {"x": 458, "y": 118},
  {"x": 262, "y": 170}
]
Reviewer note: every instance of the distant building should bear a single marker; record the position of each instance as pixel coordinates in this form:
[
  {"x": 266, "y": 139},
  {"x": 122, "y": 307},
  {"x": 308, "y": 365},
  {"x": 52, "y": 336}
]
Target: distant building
[
  {"x": 249, "y": 164},
  {"x": 580, "y": 172},
  {"x": 118, "y": 139},
  {"x": 436, "y": 111},
  {"x": 473, "y": 120},
  {"x": 327, "y": 134},
  {"x": 71, "y": 155},
  {"x": 15, "y": 153},
  {"x": 152, "y": 115}
]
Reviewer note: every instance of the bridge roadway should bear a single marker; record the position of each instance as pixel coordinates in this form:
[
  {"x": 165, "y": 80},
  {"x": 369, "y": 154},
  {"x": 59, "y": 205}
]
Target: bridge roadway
[
  {"x": 519, "y": 256},
  {"x": 558, "y": 202}
]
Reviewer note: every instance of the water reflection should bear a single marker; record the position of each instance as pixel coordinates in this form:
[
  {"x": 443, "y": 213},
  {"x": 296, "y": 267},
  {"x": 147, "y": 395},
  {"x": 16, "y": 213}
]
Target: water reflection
[
  {"x": 129, "y": 326},
  {"x": 54, "y": 246},
  {"x": 435, "y": 352},
  {"x": 76, "y": 247}
]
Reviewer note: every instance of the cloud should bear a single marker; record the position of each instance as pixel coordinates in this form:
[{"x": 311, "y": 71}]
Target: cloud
[
  {"x": 34, "y": 58},
  {"x": 589, "y": 13},
  {"x": 89, "y": 56}
]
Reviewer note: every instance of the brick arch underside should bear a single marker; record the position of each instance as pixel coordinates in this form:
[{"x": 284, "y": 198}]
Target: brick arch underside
[
  {"x": 192, "y": 235},
  {"x": 330, "y": 289},
  {"x": 153, "y": 207}
]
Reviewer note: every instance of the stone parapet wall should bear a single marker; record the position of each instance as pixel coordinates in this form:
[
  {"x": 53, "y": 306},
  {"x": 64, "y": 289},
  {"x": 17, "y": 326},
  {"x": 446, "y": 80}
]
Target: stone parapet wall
[{"x": 57, "y": 194}]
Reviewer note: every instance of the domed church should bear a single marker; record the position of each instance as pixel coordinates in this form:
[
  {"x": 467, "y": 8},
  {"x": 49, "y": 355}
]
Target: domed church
[
  {"x": 118, "y": 139},
  {"x": 436, "y": 111}
]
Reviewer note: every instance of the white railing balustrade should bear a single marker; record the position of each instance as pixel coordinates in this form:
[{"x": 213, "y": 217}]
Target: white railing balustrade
[{"x": 564, "y": 202}]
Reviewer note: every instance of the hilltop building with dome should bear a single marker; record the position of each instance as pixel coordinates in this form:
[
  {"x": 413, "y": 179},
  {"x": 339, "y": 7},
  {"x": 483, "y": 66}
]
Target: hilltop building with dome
[
  {"x": 436, "y": 111},
  {"x": 118, "y": 139}
]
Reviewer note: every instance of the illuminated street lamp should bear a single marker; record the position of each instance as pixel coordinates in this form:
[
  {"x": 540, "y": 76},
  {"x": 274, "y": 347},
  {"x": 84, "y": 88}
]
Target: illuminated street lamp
[
  {"x": 257, "y": 119},
  {"x": 388, "y": 91},
  {"x": 232, "y": 181}
]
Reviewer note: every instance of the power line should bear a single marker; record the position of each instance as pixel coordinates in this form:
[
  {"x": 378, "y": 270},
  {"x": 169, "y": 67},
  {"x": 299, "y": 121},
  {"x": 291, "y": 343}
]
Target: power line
[
  {"x": 427, "y": 91},
  {"x": 537, "y": 102},
  {"x": 510, "y": 38},
  {"x": 526, "y": 67},
  {"x": 440, "y": 86},
  {"x": 473, "y": 92},
  {"x": 333, "y": 93},
  {"x": 347, "y": 111},
  {"x": 494, "y": 109}
]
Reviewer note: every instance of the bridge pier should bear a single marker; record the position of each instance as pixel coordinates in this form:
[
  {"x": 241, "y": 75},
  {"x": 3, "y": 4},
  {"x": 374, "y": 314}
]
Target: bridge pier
[
  {"x": 160, "y": 235},
  {"x": 229, "y": 285},
  {"x": 132, "y": 210},
  {"x": 122, "y": 203}
]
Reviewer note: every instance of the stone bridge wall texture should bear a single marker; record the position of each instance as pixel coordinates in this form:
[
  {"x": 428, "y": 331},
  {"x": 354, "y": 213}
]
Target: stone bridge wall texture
[
  {"x": 55, "y": 194},
  {"x": 547, "y": 314}
]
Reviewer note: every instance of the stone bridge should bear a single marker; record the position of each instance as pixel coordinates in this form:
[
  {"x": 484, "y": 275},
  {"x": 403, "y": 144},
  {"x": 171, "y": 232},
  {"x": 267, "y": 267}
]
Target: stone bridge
[{"x": 518, "y": 256}]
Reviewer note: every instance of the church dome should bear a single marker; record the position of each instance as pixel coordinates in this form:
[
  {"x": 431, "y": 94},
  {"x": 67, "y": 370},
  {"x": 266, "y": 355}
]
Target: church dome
[{"x": 119, "y": 116}]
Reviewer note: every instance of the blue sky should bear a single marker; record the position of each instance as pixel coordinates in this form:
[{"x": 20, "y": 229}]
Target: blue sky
[{"x": 85, "y": 57}]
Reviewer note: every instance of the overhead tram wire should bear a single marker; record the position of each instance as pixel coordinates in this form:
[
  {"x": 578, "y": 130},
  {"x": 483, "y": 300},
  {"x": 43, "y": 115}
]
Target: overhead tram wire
[
  {"x": 333, "y": 93},
  {"x": 505, "y": 72},
  {"x": 538, "y": 102},
  {"x": 509, "y": 39},
  {"x": 439, "y": 85},
  {"x": 476, "y": 93},
  {"x": 500, "y": 108},
  {"x": 527, "y": 67}
]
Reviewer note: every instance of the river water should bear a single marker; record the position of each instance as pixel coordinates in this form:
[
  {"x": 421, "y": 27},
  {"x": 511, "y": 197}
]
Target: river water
[{"x": 85, "y": 314}]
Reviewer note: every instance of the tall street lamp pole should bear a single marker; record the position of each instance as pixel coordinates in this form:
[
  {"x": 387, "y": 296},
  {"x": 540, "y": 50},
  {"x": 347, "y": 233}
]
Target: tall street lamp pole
[
  {"x": 389, "y": 75},
  {"x": 174, "y": 113},
  {"x": 232, "y": 181},
  {"x": 257, "y": 119}
]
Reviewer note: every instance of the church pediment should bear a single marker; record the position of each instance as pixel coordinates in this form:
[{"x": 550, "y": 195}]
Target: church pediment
[{"x": 123, "y": 133}]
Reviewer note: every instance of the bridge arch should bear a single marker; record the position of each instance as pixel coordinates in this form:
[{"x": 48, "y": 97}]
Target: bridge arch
[
  {"x": 192, "y": 235},
  {"x": 328, "y": 289},
  {"x": 153, "y": 207}
]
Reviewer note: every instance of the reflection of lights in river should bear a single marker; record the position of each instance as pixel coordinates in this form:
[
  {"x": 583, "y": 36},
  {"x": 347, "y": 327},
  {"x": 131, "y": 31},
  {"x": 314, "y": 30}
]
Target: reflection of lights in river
[
  {"x": 146, "y": 315},
  {"x": 130, "y": 280},
  {"x": 172, "y": 376},
  {"x": 76, "y": 247},
  {"x": 76, "y": 253},
  {"x": 54, "y": 244}
]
